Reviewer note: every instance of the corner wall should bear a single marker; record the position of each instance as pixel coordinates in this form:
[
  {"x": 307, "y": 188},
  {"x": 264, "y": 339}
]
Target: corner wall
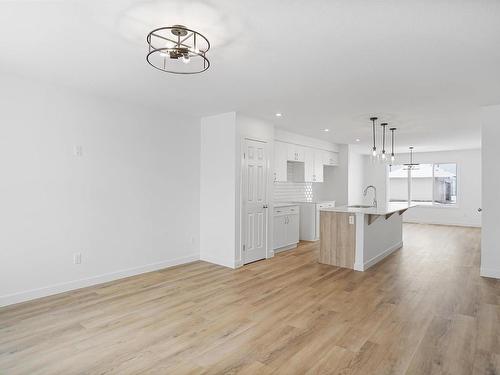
[
  {"x": 218, "y": 184},
  {"x": 129, "y": 204},
  {"x": 490, "y": 241}
]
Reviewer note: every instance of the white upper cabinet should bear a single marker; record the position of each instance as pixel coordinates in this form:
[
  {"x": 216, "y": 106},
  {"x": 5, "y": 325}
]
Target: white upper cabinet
[
  {"x": 309, "y": 165},
  {"x": 313, "y": 158},
  {"x": 319, "y": 157},
  {"x": 313, "y": 165},
  {"x": 295, "y": 152},
  {"x": 280, "y": 160},
  {"x": 331, "y": 158}
]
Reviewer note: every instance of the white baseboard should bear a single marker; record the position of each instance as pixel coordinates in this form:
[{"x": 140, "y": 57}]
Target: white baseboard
[
  {"x": 218, "y": 261},
  {"x": 285, "y": 248},
  {"x": 378, "y": 258},
  {"x": 11, "y": 299},
  {"x": 490, "y": 272}
]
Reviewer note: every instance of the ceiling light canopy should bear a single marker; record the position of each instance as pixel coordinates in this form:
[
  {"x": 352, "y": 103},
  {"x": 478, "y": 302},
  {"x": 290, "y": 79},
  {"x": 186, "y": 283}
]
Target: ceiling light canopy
[{"x": 177, "y": 49}]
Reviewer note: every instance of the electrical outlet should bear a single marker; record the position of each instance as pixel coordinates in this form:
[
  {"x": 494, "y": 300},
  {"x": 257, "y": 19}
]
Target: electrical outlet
[
  {"x": 78, "y": 150},
  {"x": 77, "y": 258},
  {"x": 351, "y": 220}
]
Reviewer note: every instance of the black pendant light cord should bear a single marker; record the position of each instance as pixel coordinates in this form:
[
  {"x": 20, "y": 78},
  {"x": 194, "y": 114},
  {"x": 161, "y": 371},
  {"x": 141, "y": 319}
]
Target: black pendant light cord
[
  {"x": 383, "y": 136},
  {"x": 392, "y": 141},
  {"x": 373, "y": 119}
]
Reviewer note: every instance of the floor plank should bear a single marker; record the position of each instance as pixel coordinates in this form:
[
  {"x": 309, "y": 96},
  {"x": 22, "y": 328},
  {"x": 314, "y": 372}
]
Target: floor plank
[{"x": 423, "y": 310}]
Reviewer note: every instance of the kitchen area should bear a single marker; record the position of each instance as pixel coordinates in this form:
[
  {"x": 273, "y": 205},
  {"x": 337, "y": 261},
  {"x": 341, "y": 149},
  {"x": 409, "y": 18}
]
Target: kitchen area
[{"x": 319, "y": 195}]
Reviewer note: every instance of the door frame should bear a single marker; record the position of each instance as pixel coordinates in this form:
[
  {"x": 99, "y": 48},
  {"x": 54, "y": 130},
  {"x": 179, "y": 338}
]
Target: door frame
[{"x": 242, "y": 227}]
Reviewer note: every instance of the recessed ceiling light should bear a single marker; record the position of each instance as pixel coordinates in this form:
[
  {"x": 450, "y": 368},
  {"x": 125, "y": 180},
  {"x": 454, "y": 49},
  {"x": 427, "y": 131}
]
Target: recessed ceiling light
[
  {"x": 279, "y": 114},
  {"x": 326, "y": 130},
  {"x": 357, "y": 139}
]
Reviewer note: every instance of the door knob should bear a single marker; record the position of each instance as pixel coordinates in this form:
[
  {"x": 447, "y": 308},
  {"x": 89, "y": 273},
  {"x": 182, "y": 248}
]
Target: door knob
[{"x": 479, "y": 209}]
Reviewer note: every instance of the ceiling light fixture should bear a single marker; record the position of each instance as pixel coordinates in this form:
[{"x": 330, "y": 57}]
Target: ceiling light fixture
[
  {"x": 279, "y": 114},
  {"x": 374, "y": 149},
  {"x": 326, "y": 130},
  {"x": 411, "y": 165},
  {"x": 357, "y": 139},
  {"x": 169, "y": 46},
  {"x": 383, "y": 125},
  {"x": 392, "y": 144}
]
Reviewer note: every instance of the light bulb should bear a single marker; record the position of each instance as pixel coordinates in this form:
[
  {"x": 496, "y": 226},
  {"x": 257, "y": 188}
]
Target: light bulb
[
  {"x": 383, "y": 155},
  {"x": 186, "y": 59},
  {"x": 374, "y": 153},
  {"x": 393, "y": 158}
]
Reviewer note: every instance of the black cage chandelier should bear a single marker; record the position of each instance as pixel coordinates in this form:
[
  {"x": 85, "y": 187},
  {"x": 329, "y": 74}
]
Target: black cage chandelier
[{"x": 177, "y": 49}]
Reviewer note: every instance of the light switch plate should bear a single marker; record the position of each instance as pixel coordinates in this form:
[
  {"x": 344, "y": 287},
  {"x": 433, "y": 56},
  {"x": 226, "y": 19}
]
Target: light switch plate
[
  {"x": 351, "y": 220},
  {"x": 78, "y": 150}
]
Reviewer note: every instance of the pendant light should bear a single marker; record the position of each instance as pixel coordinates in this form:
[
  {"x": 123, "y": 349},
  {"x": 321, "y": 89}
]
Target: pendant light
[
  {"x": 411, "y": 165},
  {"x": 374, "y": 149},
  {"x": 383, "y": 125},
  {"x": 392, "y": 145}
]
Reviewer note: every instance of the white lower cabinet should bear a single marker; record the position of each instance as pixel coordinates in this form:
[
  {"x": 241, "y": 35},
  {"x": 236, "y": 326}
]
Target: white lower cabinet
[{"x": 286, "y": 228}]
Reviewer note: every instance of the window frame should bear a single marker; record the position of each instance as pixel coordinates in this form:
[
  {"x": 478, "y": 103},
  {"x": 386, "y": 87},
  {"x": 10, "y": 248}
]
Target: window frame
[{"x": 433, "y": 203}]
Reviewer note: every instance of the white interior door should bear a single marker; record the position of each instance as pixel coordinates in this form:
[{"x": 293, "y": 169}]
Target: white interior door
[{"x": 254, "y": 208}]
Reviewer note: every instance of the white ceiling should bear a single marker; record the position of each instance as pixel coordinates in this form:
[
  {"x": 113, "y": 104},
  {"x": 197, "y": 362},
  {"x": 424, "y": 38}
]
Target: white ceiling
[{"x": 426, "y": 66}]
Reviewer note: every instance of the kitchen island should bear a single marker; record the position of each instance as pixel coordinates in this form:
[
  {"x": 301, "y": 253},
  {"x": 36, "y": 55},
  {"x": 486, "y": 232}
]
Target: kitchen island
[{"x": 358, "y": 237}]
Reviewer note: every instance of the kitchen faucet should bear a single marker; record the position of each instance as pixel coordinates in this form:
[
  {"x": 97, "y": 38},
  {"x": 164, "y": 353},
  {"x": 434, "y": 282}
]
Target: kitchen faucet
[{"x": 374, "y": 194}]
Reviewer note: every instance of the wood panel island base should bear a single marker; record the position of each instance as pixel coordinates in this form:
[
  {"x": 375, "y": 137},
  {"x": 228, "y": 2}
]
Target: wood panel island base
[{"x": 358, "y": 238}]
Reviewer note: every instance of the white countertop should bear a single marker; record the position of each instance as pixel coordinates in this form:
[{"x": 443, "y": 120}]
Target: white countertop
[
  {"x": 391, "y": 208},
  {"x": 284, "y": 204}
]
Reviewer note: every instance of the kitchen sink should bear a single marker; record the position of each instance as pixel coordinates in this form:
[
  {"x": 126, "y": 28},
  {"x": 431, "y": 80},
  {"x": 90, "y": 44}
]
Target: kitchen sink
[{"x": 360, "y": 206}]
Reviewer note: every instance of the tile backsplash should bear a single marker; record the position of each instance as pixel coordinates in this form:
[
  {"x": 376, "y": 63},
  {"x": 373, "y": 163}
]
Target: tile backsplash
[{"x": 293, "y": 191}]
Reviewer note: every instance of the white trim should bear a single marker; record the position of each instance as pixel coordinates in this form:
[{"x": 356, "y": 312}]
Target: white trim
[
  {"x": 218, "y": 261},
  {"x": 11, "y": 299},
  {"x": 381, "y": 256},
  {"x": 284, "y": 248},
  {"x": 490, "y": 272}
]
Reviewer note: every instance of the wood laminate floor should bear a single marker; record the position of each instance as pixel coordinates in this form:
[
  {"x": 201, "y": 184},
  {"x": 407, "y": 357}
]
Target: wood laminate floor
[{"x": 423, "y": 310}]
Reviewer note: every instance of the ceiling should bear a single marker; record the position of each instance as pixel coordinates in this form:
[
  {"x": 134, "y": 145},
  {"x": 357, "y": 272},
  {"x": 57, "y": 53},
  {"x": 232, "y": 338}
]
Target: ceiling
[{"x": 425, "y": 66}]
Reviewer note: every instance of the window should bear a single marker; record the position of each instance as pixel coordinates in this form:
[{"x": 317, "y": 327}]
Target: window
[
  {"x": 426, "y": 184},
  {"x": 445, "y": 184}
]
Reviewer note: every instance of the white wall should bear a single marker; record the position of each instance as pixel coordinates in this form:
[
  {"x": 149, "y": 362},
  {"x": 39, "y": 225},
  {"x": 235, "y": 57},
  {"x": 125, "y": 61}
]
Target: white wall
[
  {"x": 285, "y": 136},
  {"x": 218, "y": 183},
  {"x": 375, "y": 173},
  {"x": 490, "y": 241},
  {"x": 129, "y": 204},
  {"x": 220, "y": 192},
  {"x": 468, "y": 190},
  {"x": 356, "y": 181}
]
